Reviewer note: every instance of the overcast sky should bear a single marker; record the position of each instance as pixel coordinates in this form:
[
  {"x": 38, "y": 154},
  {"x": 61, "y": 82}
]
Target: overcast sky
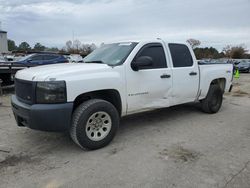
[{"x": 214, "y": 22}]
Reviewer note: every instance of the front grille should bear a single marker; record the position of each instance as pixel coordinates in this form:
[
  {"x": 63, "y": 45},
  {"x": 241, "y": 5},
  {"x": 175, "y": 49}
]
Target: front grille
[{"x": 24, "y": 91}]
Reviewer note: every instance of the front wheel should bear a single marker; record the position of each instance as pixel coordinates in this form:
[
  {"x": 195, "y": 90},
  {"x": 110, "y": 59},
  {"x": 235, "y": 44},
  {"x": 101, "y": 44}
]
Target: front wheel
[
  {"x": 94, "y": 124},
  {"x": 212, "y": 103}
]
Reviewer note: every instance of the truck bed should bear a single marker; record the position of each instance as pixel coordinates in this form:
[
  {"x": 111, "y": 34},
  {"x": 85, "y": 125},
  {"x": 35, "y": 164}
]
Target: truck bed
[
  {"x": 8, "y": 70},
  {"x": 11, "y": 67},
  {"x": 209, "y": 71}
]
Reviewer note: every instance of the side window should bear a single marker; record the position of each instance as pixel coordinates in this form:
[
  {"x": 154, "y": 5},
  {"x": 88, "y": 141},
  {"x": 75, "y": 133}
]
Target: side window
[
  {"x": 37, "y": 58},
  {"x": 181, "y": 55},
  {"x": 50, "y": 57},
  {"x": 156, "y": 52}
]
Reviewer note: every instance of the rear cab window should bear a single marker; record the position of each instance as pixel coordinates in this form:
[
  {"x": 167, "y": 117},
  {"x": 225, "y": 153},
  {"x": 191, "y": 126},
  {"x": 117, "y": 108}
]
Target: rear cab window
[{"x": 181, "y": 56}]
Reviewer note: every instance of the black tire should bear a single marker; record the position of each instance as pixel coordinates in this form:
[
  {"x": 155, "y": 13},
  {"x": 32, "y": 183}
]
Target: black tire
[
  {"x": 80, "y": 118},
  {"x": 212, "y": 103}
]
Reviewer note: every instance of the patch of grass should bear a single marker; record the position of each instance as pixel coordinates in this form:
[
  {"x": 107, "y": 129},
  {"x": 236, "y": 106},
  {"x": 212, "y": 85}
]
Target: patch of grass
[
  {"x": 241, "y": 92},
  {"x": 178, "y": 153},
  {"x": 14, "y": 160}
]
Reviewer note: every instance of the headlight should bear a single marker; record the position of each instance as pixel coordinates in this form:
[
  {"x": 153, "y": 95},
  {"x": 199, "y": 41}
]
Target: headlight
[{"x": 51, "y": 92}]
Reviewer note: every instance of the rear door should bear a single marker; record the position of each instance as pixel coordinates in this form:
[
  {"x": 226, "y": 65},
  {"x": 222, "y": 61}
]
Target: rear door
[
  {"x": 185, "y": 74},
  {"x": 150, "y": 87}
]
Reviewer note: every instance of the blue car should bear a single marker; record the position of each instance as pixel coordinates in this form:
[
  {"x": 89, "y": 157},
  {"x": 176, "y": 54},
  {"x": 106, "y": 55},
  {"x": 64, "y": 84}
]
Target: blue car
[{"x": 41, "y": 59}]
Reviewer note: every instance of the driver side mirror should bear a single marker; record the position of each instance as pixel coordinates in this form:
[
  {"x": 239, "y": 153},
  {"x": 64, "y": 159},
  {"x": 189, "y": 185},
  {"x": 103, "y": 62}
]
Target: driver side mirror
[{"x": 140, "y": 62}]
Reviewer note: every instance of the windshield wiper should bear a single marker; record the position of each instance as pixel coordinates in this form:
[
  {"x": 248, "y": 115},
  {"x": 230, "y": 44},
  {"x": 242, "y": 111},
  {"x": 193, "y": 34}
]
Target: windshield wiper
[{"x": 101, "y": 62}]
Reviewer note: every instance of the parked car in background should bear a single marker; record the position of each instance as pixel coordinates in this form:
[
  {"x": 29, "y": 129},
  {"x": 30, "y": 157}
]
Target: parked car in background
[
  {"x": 2, "y": 59},
  {"x": 75, "y": 58},
  {"x": 214, "y": 61},
  {"x": 41, "y": 59},
  {"x": 13, "y": 57},
  {"x": 244, "y": 66}
]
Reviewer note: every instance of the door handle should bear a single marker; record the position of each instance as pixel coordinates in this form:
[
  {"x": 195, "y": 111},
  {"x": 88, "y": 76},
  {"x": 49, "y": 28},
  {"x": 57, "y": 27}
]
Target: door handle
[
  {"x": 165, "y": 76},
  {"x": 193, "y": 73}
]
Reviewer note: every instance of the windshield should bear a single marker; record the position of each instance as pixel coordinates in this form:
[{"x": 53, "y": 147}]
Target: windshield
[{"x": 111, "y": 54}]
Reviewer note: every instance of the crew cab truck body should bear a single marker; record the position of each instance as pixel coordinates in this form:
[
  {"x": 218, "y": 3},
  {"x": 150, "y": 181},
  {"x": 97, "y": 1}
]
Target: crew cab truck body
[{"x": 87, "y": 99}]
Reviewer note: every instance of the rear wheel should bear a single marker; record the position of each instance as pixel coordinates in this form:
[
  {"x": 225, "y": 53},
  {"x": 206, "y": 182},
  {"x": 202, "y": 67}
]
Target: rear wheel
[
  {"x": 212, "y": 103},
  {"x": 94, "y": 124}
]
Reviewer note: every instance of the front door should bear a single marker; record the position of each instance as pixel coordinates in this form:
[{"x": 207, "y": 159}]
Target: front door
[{"x": 150, "y": 87}]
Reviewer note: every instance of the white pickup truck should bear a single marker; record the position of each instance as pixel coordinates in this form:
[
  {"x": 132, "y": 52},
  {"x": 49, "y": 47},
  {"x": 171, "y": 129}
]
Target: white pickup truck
[{"x": 88, "y": 99}]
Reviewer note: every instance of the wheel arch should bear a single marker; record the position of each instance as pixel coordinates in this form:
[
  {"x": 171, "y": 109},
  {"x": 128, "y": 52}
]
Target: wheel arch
[
  {"x": 111, "y": 95},
  {"x": 220, "y": 82}
]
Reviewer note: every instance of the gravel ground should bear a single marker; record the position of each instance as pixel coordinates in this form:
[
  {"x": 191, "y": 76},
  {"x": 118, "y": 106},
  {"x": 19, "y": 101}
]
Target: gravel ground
[{"x": 174, "y": 147}]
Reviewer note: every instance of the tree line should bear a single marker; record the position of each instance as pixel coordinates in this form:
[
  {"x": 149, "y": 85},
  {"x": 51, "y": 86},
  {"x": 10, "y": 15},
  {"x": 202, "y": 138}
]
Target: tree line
[
  {"x": 229, "y": 51},
  {"x": 234, "y": 52},
  {"x": 24, "y": 46},
  {"x": 75, "y": 47}
]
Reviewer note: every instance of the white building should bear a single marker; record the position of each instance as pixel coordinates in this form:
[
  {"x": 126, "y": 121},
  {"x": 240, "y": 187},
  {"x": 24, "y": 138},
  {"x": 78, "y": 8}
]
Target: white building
[{"x": 3, "y": 42}]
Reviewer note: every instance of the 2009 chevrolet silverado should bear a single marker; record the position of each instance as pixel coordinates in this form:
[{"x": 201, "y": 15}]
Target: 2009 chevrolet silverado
[{"x": 87, "y": 99}]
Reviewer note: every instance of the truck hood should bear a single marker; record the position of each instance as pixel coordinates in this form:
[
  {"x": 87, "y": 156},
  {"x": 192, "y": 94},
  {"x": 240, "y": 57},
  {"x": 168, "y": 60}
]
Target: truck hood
[{"x": 59, "y": 71}]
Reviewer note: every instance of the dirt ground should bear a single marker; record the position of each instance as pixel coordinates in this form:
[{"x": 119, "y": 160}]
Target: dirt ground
[{"x": 174, "y": 147}]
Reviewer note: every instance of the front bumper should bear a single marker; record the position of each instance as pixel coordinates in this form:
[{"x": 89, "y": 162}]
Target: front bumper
[{"x": 45, "y": 117}]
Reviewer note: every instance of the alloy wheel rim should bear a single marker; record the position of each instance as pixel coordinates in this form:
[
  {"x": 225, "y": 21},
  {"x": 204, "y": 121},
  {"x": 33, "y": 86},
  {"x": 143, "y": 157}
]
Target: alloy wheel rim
[{"x": 98, "y": 126}]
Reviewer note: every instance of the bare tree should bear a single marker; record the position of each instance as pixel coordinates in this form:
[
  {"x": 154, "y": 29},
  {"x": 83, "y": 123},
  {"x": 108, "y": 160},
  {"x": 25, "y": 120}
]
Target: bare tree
[
  {"x": 88, "y": 48},
  {"x": 76, "y": 45},
  {"x": 193, "y": 43},
  {"x": 69, "y": 45},
  {"x": 84, "y": 48},
  {"x": 235, "y": 52},
  {"x": 93, "y": 47}
]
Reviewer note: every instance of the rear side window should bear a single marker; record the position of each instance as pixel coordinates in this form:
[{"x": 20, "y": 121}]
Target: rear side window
[
  {"x": 156, "y": 52},
  {"x": 50, "y": 57},
  {"x": 37, "y": 58},
  {"x": 181, "y": 55}
]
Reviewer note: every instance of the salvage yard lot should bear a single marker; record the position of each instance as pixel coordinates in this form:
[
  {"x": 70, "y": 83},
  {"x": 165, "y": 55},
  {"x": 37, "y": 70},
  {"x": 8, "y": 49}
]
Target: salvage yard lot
[{"x": 173, "y": 147}]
